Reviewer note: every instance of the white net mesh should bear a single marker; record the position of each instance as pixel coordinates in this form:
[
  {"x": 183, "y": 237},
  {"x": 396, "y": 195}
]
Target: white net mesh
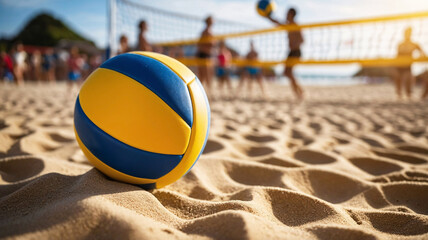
[{"x": 335, "y": 43}]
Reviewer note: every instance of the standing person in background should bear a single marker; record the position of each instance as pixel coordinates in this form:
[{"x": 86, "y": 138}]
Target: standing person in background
[
  {"x": 36, "y": 62},
  {"x": 48, "y": 65},
  {"x": 75, "y": 65},
  {"x": 20, "y": 63},
  {"x": 404, "y": 73},
  {"x": 425, "y": 92},
  {"x": 204, "y": 53},
  {"x": 6, "y": 65},
  {"x": 85, "y": 68},
  {"x": 61, "y": 64},
  {"x": 295, "y": 40},
  {"x": 123, "y": 47},
  {"x": 251, "y": 71},
  {"x": 143, "y": 45},
  {"x": 223, "y": 69},
  {"x": 94, "y": 62}
]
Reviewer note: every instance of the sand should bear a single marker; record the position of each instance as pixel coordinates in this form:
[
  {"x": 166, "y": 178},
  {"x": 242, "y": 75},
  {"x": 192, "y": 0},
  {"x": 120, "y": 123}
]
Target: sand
[{"x": 349, "y": 163}]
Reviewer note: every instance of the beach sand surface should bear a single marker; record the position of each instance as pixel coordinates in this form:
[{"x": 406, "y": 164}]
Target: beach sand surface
[{"x": 350, "y": 162}]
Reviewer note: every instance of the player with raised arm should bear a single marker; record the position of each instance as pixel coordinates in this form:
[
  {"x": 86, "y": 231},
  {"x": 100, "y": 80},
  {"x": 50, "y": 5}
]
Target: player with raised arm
[{"x": 295, "y": 40}]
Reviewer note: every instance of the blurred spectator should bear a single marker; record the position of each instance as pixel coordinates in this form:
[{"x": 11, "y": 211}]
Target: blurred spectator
[
  {"x": 85, "y": 70},
  {"x": 223, "y": 69},
  {"x": 75, "y": 64},
  {"x": 158, "y": 49},
  {"x": 425, "y": 81},
  {"x": 124, "y": 47},
  {"x": 94, "y": 62},
  {"x": 36, "y": 64},
  {"x": 20, "y": 58},
  {"x": 252, "y": 71},
  {"x": 48, "y": 65},
  {"x": 143, "y": 45},
  {"x": 6, "y": 66},
  {"x": 62, "y": 58},
  {"x": 177, "y": 52}
]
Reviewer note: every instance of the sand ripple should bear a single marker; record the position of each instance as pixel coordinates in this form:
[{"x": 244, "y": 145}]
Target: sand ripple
[{"x": 349, "y": 163}]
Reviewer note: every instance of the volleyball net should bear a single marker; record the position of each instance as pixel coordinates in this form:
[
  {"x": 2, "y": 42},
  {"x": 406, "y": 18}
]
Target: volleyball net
[{"x": 368, "y": 42}]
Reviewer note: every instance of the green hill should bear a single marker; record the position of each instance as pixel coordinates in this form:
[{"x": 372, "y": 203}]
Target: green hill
[{"x": 45, "y": 30}]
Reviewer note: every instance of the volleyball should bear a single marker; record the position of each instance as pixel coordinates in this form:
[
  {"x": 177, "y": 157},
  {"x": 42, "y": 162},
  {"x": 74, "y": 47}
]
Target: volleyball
[
  {"x": 266, "y": 7},
  {"x": 142, "y": 118}
]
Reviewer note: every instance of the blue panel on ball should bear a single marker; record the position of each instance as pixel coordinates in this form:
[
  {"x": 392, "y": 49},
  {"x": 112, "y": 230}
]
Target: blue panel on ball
[
  {"x": 263, "y": 4},
  {"x": 118, "y": 155},
  {"x": 157, "y": 77}
]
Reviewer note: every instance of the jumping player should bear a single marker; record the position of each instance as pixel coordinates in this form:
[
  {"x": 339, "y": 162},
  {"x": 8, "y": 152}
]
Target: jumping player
[{"x": 295, "y": 40}]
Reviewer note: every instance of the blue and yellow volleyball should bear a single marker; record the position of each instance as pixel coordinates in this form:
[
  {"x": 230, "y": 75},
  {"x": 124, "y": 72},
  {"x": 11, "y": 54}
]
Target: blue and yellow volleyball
[
  {"x": 266, "y": 7},
  {"x": 142, "y": 118}
]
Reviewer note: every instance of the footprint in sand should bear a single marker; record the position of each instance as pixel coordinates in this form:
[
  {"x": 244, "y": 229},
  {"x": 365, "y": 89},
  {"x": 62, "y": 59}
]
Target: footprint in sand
[
  {"x": 258, "y": 151},
  {"x": 291, "y": 208},
  {"x": 372, "y": 142},
  {"x": 375, "y": 166},
  {"x": 296, "y": 134},
  {"x": 60, "y": 137},
  {"x": 313, "y": 157},
  {"x": 392, "y": 222},
  {"x": 334, "y": 187},
  {"x": 260, "y": 138},
  {"x": 414, "y": 149},
  {"x": 225, "y": 136},
  {"x": 416, "y": 197},
  {"x": 315, "y": 126},
  {"x": 2, "y": 124},
  {"x": 401, "y": 156},
  {"x": 394, "y": 137},
  {"x": 341, "y": 140},
  {"x": 230, "y": 128},
  {"x": 256, "y": 175},
  {"x": 12, "y": 170},
  {"x": 279, "y": 162},
  {"x": 212, "y": 146},
  {"x": 275, "y": 126}
]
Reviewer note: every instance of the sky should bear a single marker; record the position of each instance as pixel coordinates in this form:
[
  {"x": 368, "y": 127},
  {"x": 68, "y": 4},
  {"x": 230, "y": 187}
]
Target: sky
[{"x": 89, "y": 17}]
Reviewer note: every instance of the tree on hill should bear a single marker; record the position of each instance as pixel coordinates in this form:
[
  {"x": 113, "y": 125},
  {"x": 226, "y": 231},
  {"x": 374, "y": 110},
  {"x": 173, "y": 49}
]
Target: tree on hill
[{"x": 45, "y": 30}]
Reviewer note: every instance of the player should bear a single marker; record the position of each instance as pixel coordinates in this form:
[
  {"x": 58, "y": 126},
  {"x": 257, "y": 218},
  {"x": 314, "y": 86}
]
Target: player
[
  {"x": 143, "y": 45},
  {"x": 20, "y": 59},
  {"x": 36, "y": 62},
  {"x": 204, "y": 52},
  {"x": 223, "y": 69},
  {"x": 123, "y": 47},
  {"x": 295, "y": 40},
  {"x": 251, "y": 71},
  {"x": 75, "y": 63},
  {"x": 406, "y": 49}
]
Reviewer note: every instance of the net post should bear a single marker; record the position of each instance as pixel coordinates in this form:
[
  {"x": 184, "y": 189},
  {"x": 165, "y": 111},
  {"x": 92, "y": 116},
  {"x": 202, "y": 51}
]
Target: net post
[{"x": 111, "y": 28}]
